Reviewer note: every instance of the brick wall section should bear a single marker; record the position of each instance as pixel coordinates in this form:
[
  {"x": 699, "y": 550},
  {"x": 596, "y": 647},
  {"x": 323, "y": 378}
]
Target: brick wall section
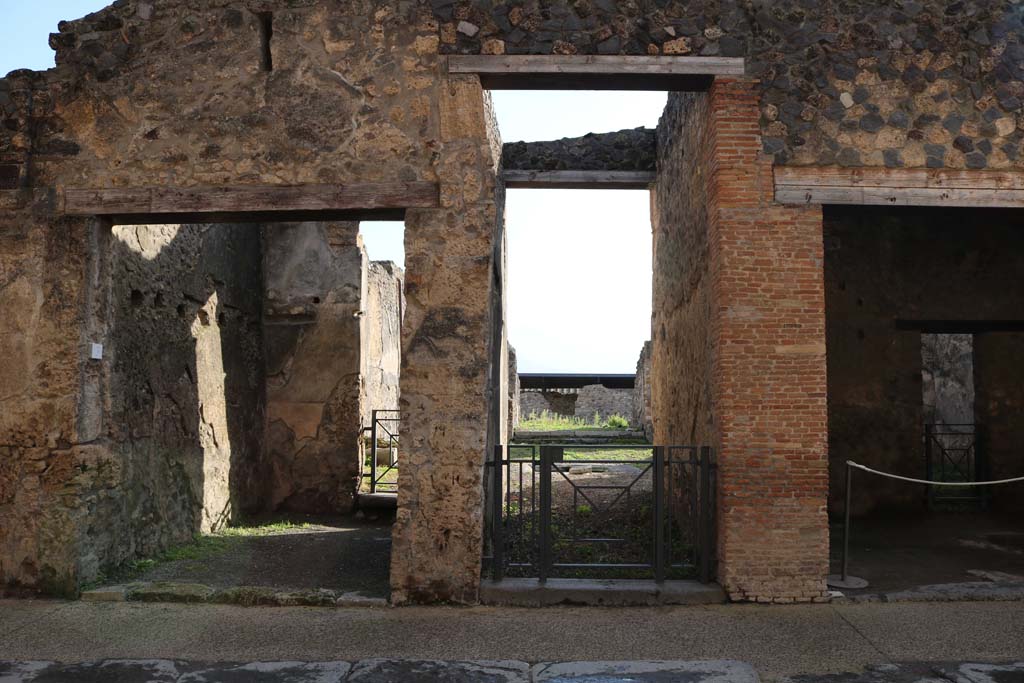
[{"x": 768, "y": 367}]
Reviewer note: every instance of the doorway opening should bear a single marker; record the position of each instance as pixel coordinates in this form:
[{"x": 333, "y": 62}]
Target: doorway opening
[
  {"x": 923, "y": 344},
  {"x": 583, "y": 491},
  {"x": 245, "y": 360}
]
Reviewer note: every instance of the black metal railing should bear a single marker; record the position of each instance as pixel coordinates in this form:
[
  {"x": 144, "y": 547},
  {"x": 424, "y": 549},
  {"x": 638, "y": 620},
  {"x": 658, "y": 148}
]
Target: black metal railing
[
  {"x": 602, "y": 511},
  {"x": 383, "y": 442},
  {"x": 952, "y": 455}
]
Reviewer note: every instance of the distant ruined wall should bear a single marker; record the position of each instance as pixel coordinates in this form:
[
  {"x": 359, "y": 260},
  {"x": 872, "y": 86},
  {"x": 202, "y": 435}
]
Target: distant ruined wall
[
  {"x": 583, "y": 403},
  {"x": 314, "y": 279},
  {"x": 642, "y": 411},
  {"x": 555, "y": 402},
  {"x": 597, "y": 400},
  {"x": 382, "y": 344}
]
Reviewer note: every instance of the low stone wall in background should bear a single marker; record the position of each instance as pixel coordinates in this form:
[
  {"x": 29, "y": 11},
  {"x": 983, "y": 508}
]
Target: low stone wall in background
[{"x": 583, "y": 403}]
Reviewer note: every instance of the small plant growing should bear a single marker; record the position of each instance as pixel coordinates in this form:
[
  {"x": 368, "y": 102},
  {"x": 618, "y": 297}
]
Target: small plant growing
[{"x": 617, "y": 422}]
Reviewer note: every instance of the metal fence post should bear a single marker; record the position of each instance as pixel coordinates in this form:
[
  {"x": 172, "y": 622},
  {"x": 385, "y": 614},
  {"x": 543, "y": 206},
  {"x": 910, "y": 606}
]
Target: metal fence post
[
  {"x": 497, "y": 523},
  {"x": 547, "y": 455},
  {"x": 846, "y": 522},
  {"x": 373, "y": 452},
  {"x": 929, "y": 467},
  {"x": 705, "y": 514},
  {"x": 659, "y": 514}
]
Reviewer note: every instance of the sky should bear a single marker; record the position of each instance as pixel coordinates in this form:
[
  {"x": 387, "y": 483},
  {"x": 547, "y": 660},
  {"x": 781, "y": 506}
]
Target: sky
[{"x": 579, "y": 266}]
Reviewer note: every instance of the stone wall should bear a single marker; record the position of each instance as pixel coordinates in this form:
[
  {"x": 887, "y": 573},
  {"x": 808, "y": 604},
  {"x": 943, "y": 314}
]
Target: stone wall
[
  {"x": 884, "y": 264},
  {"x": 314, "y": 289},
  {"x": 382, "y": 345},
  {"x": 908, "y": 83},
  {"x": 625, "y": 150},
  {"x": 514, "y": 392},
  {"x": 680, "y": 349},
  {"x": 947, "y": 378},
  {"x": 999, "y": 405},
  {"x": 642, "y": 410},
  {"x": 185, "y": 390},
  {"x": 53, "y": 303},
  {"x": 584, "y": 403},
  {"x": 173, "y": 94},
  {"x": 598, "y": 400}
]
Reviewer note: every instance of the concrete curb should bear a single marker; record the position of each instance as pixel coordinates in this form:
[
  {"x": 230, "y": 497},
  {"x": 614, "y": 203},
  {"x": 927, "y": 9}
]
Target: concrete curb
[
  {"x": 619, "y": 593},
  {"x": 245, "y": 596}
]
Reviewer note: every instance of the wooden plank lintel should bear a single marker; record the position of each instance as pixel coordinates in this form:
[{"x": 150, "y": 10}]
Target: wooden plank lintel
[
  {"x": 272, "y": 202},
  {"x": 899, "y": 187},
  {"x": 579, "y": 180},
  {"x": 595, "y": 72},
  {"x": 595, "y": 64}
]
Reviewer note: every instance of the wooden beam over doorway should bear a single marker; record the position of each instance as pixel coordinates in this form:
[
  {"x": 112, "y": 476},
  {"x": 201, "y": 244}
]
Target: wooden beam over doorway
[
  {"x": 247, "y": 203},
  {"x": 899, "y": 187},
  {"x": 579, "y": 180},
  {"x": 595, "y": 72}
]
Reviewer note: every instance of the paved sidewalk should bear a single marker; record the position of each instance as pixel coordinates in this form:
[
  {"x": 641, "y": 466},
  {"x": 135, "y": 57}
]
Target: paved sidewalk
[{"x": 777, "y": 641}]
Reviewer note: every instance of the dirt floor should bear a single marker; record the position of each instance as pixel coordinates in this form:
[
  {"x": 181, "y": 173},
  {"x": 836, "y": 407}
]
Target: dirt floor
[
  {"x": 343, "y": 554},
  {"x": 898, "y": 553}
]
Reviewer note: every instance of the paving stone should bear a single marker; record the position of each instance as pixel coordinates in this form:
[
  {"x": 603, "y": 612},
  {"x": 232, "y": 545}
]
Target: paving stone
[
  {"x": 271, "y": 672},
  {"x": 112, "y": 671},
  {"x": 21, "y": 672},
  {"x": 415, "y": 671},
  {"x": 723, "y": 671},
  {"x": 923, "y": 672}
]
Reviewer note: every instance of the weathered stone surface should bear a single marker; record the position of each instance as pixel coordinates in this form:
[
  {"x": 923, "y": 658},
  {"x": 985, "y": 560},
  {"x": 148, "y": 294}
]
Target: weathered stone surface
[
  {"x": 642, "y": 409},
  {"x": 416, "y": 671},
  {"x": 654, "y": 672},
  {"x": 625, "y": 150},
  {"x": 382, "y": 346},
  {"x": 587, "y": 403},
  {"x": 450, "y": 253},
  {"x": 315, "y": 286}
]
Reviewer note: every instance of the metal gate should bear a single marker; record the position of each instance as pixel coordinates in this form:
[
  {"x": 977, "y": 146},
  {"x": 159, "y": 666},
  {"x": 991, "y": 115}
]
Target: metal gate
[
  {"x": 584, "y": 511},
  {"x": 952, "y": 454}
]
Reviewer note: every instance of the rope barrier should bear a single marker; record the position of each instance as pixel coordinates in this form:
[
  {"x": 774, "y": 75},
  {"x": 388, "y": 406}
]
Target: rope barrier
[
  {"x": 844, "y": 580},
  {"x": 933, "y": 483}
]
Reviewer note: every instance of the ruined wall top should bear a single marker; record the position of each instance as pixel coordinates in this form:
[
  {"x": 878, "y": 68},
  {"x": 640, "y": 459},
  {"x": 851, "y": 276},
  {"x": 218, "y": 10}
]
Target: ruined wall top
[
  {"x": 624, "y": 150},
  {"x": 190, "y": 91}
]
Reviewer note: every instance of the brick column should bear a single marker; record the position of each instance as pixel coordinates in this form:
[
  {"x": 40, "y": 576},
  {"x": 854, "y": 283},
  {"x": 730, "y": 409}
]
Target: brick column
[{"x": 768, "y": 367}]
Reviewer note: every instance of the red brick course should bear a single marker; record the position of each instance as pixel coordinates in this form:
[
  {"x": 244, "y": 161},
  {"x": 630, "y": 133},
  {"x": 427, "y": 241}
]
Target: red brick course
[{"x": 768, "y": 366}]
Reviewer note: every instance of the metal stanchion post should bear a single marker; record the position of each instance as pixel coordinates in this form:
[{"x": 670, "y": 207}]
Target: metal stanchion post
[{"x": 844, "y": 580}]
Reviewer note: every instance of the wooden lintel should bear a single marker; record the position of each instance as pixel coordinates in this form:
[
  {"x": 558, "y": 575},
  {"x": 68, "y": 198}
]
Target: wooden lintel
[
  {"x": 252, "y": 202},
  {"x": 579, "y": 180},
  {"x": 899, "y": 187},
  {"x": 595, "y": 72}
]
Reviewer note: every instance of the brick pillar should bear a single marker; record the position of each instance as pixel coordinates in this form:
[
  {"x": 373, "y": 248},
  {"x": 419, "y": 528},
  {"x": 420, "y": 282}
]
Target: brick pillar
[{"x": 769, "y": 386}]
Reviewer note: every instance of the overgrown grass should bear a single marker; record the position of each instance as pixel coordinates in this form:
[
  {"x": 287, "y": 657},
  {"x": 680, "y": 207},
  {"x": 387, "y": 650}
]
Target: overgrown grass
[{"x": 546, "y": 421}]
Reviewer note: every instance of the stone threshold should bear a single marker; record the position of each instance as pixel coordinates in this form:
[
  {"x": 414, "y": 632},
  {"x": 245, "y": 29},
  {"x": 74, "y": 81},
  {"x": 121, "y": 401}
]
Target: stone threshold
[
  {"x": 246, "y": 596},
  {"x": 968, "y": 591},
  {"x": 599, "y": 592}
]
